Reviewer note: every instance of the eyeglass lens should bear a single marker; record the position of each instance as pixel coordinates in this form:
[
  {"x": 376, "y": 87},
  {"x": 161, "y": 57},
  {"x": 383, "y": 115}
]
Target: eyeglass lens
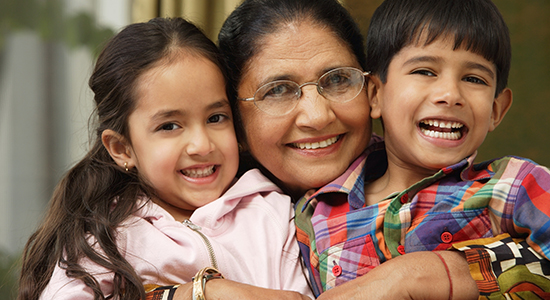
[{"x": 281, "y": 96}]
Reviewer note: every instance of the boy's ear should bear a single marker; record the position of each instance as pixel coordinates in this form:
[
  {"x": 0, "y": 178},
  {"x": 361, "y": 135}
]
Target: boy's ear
[
  {"x": 501, "y": 105},
  {"x": 373, "y": 94},
  {"x": 118, "y": 147}
]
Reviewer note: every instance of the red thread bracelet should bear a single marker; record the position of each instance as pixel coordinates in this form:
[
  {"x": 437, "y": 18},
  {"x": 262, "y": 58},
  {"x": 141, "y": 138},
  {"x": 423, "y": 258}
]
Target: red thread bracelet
[{"x": 448, "y": 275}]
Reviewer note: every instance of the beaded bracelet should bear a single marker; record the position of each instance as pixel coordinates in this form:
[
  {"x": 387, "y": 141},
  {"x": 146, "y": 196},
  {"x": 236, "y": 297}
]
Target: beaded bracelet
[{"x": 200, "y": 279}]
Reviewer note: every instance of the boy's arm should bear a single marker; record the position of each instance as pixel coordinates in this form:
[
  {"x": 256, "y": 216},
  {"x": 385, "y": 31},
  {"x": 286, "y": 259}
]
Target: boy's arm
[{"x": 416, "y": 275}]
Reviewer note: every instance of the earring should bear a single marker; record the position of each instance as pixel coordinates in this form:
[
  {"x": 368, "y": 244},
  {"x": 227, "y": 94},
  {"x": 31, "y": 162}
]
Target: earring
[{"x": 126, "y": 166}]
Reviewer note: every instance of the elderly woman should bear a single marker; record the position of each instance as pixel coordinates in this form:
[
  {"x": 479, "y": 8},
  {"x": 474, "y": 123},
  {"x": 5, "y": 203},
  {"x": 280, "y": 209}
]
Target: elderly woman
[{"x": 296, "y": 74}]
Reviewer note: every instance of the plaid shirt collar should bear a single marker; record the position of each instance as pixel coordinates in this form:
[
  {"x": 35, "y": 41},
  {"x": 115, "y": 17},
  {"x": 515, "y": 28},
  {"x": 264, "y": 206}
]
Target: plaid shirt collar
[{"x": 374, "y": 159}]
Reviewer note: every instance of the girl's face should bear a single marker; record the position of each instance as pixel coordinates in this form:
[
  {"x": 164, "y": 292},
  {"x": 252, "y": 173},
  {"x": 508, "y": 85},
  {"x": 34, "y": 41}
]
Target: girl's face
[
  {"x": 317, "y": 140},
  {"x": 183, "y": 141}
]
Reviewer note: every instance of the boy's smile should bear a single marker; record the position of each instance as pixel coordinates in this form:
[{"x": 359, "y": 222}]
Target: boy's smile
[{"x": 437, "y": 105}]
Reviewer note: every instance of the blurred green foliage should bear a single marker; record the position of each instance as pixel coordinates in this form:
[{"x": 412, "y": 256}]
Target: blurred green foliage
[
  {"x": 47, "y": 19},
  {"x": 8, "y": 275}
]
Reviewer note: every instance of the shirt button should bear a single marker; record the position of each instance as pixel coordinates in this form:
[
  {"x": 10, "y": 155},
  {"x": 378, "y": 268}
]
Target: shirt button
[
  {"x": 336, "y": 270},
  {"x": 404, "y": 198},
  {"x": 401, "y": 249},
  {"x": 446, "y": 237}
]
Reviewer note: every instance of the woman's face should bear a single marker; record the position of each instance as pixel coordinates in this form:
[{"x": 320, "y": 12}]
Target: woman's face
[{"x": 317, "y": 140}]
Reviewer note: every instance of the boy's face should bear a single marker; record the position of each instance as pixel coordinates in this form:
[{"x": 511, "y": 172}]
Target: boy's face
[{"x": 437, "y": 105}]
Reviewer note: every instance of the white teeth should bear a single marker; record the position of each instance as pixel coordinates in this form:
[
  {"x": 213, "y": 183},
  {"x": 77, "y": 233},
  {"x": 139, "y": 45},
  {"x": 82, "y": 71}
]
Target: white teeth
[
  {"x": 197, "y": 173},
  {"x": 442, "y": 124},
  {"x": 455, "y": 135},
  {"x": 316, "y": 145}
]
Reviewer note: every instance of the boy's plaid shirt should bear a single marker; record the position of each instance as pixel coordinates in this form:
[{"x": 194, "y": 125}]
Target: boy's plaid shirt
[{"x": 476, "y": 209}]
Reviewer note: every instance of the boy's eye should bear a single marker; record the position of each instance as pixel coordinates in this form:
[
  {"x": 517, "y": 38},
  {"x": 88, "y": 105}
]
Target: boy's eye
[
  {"x": 169, "y": 127},
  {"x": 424, "y": 72},
  {"x": 218, "y": 118},
  {"x": 475, "y": 80}
]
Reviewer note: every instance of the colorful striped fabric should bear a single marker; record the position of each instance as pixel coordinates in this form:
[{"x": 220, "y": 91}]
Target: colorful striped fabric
[{"x": 341, "y": 238}]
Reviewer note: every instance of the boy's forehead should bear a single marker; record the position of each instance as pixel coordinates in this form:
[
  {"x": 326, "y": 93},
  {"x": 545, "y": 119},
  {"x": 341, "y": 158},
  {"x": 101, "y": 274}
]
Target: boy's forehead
[{"x": 423, "y": 44}]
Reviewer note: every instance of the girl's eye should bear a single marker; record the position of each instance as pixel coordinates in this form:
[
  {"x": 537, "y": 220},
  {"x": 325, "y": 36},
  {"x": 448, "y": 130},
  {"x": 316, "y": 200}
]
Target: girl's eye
[
  {"x": 475, "y": 80},
  {"x": 423, "y": 72},
  {"x": 217, "y": 118},
  {"x": 169, "y": 127}
]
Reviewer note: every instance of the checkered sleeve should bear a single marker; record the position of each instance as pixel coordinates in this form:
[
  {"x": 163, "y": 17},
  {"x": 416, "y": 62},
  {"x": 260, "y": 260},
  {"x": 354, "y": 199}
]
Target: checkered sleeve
[
  {"x": 506, "y": 268},
  {"x": 160, "y": 292}
]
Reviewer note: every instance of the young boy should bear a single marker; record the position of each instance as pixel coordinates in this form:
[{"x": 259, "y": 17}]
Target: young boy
[{"x": 439, "y": 72}]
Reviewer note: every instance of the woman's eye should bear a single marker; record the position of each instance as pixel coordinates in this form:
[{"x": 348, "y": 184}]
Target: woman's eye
[
  {"x": 168, "y": 127},
  {"x": 338, "y": 79},
  {"x": 277, "y": 90},
  {"x": 475, "y": 80},
  {"x": 217, "y": 118}
]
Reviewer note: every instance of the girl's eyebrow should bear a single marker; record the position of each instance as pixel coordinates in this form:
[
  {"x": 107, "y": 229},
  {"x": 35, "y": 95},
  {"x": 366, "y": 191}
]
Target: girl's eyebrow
[
  {"x": 163, "y": 114},
  {"x": 219, "y": 104}
]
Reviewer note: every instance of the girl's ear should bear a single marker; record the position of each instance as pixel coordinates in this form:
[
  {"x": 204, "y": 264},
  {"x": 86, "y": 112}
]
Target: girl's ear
[
  {"x": 501, "y": 105},
  {"x": 119, "y": 148},
  {"x": 373, "y": 93}
]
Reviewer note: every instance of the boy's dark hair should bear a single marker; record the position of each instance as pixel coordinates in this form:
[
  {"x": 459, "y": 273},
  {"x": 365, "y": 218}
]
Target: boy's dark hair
[
  {"x": 476, "y": 26},
  {"x": 82, "y": 206}
]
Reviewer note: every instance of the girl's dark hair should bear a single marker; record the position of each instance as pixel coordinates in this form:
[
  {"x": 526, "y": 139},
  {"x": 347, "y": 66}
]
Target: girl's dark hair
[
  {"x": 242, "y": 33},
  {"x": 475, "y": 25},
  {"x": 96, "y": 195}
]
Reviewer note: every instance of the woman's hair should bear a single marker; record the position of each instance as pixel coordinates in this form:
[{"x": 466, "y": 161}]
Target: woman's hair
[
  {"x": 243, "y": 33},
  {"x": 96, "y": 195},
  {"x": 474, "y": 25}
]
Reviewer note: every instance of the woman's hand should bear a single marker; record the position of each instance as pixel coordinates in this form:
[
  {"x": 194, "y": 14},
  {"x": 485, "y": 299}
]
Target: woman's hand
[
  {"x": 224, "y": 289},
  {"x": 417, "y": 275}
]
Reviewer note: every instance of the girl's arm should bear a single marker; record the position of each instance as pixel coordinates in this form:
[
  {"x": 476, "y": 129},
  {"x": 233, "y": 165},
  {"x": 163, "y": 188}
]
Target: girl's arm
[{"x": 219, "y": 289}]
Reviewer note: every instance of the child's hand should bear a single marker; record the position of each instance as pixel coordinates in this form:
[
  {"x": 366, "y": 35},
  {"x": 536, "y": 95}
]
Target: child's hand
[
  {"x": 418, "y": 275},
  {"x": 224, "y": 289}
]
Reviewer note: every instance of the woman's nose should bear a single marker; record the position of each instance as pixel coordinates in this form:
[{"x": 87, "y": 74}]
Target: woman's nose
[{"x": 314, "y": 110}]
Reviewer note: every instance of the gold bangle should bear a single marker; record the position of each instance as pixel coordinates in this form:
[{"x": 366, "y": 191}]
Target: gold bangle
[{"x": 200, "y": 279}]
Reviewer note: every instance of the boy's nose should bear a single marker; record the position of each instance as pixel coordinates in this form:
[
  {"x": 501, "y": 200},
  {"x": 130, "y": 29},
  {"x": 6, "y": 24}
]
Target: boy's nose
[
  {"x": 313, "y": 111},
  {"x": 448, "y": 93}
]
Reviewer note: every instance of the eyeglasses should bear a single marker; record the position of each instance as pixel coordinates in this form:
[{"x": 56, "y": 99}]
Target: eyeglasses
[{"x": 280, "y": 97}]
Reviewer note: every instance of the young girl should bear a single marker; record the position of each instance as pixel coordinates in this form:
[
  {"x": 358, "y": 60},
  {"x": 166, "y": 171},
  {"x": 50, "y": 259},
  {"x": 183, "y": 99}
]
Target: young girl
[{"x": 143, "y": 207}]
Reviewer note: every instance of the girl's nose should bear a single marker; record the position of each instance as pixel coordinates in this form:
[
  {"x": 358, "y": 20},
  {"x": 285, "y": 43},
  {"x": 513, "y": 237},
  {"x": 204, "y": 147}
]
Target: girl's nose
[{"x": 199, "y": 142}]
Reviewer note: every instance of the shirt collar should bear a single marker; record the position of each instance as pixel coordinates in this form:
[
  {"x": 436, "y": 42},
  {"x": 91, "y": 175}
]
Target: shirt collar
[{"x": 352, "y": 181}]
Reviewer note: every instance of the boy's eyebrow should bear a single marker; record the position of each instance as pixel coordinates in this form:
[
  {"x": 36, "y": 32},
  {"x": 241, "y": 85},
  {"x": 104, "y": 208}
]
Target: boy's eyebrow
[
  {"x": 481, "y": 67},
  {"x": 435, "y": 59},
  {"x": 426, "y": 58}
]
